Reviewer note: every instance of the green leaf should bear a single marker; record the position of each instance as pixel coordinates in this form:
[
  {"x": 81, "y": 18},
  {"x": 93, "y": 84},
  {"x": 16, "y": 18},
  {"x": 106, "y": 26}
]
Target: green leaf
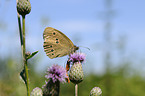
[
  {"x": 22, "y": 74},
  {"x": 30, "y": 56}
]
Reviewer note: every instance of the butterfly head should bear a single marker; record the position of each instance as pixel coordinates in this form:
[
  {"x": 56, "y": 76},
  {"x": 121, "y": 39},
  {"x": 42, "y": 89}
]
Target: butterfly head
[{"x": 76, "y": 48}]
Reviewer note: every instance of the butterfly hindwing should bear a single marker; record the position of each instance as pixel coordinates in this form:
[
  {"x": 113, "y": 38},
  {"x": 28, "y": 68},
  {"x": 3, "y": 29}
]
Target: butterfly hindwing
[
  {"x": 56, "y": 44},
  {"x": 52, "y": 50}
]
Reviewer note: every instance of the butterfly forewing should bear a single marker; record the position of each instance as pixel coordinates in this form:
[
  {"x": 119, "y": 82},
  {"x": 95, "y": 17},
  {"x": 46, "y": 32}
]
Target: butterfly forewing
[{"x": 57, "y": 44}]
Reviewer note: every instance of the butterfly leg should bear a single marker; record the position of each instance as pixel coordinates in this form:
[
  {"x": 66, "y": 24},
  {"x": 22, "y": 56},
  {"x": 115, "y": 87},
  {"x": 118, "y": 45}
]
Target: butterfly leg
[{"x": 67, "y": 69}]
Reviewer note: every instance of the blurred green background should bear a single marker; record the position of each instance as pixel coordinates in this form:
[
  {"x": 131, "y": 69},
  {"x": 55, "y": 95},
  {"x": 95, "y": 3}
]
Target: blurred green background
[{"x": 112, "y": 29}]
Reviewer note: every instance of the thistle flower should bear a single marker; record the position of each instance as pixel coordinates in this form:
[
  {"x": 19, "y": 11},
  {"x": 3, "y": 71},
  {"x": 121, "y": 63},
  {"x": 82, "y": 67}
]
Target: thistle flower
[
  {"x": 96, "y": 91},
  {"x": 76, "y": 72},
  {"x": 36, "y": 92},
  {"x": 77, "y": 57},
  {"x": 56, "y": 73}
]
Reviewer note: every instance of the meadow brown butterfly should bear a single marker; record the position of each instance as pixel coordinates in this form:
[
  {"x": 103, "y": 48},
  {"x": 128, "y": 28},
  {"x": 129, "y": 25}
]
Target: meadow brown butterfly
[{"x": 57, "y": 44}]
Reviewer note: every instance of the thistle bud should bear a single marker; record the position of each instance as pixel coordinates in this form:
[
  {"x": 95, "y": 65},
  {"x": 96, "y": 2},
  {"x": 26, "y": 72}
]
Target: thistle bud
[
  {"x": 96, "y": 91},
  {"x": 27, "y": 54},
  {"x": 23, "y": 7},
  {"x": 76, "y": 73},
  {"x": 37, "y": 92}
]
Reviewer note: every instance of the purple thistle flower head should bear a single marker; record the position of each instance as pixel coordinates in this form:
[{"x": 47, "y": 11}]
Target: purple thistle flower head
[
  {"x": 77, "y": 57},
  {"x": 56, "y": 73}
]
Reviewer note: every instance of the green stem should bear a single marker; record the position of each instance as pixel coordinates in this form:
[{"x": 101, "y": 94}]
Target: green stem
[
  {"x": 24, "y": 58},
  {"x": 76, "y": 90},
  {"x": 20, "y": 30}
]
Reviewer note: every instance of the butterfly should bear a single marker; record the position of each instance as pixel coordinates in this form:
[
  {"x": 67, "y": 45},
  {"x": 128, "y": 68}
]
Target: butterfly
[{"x": 56, "y": 44}]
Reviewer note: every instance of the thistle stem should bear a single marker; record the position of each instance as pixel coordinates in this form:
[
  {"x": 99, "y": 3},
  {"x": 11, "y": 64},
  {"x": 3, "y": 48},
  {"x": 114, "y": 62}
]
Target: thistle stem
[
  {"x": 20, "y": 30},
  {"x": 76, "y": 90},
  {"x": 24, "y": 58}
]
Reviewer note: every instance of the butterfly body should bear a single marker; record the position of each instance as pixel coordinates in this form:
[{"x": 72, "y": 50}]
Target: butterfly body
[{"x": 57, "y": 44}]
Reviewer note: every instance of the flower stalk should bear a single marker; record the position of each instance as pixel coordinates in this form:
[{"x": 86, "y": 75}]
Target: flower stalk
[
  {"x": 24, "y": 58},
  {"x": 76, "y": 90},
  {"x": 23, "y": 47}
]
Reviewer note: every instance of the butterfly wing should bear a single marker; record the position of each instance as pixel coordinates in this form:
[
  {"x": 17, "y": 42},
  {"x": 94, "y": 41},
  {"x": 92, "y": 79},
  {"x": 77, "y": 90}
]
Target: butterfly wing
[{"x": 56, "y": 44}]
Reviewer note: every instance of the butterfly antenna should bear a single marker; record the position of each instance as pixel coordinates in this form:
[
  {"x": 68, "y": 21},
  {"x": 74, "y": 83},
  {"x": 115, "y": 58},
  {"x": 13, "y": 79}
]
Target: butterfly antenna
[{"x": 85, "y": 47}]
